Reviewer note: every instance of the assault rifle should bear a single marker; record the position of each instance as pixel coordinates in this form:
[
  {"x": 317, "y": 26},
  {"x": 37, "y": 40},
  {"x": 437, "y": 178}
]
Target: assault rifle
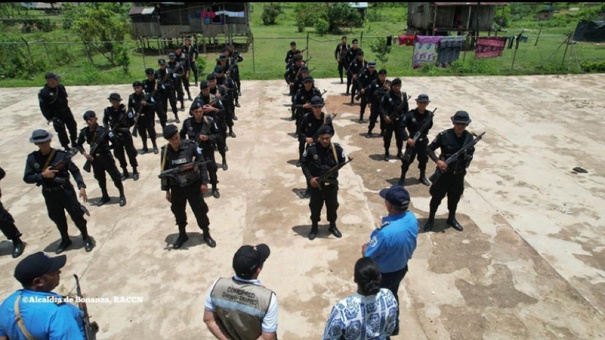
[
  {"x": 435, "y": 176},
  {"x": 333, "y": 170},
  {"x": 407, "y": 155},
  {"x": 93, "y": 149},
  {"x": 395, "y": 114},
  {"x": 184, "y": 167},
  {"x": 90, "y": 328},
  {"x": 327, "y": 120},
  {"x": 359, "y": 87},
  {"x": 137, "y": 115}
]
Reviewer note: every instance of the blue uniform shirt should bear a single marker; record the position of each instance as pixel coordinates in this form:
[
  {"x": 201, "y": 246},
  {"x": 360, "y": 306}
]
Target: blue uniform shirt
[
  {"x": 392, "y": 245},
  {"x": 43, "y": 315}
]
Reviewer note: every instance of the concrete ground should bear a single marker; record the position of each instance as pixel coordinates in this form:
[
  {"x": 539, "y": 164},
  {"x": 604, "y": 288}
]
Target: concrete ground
[{"x": 528, "y": 265}]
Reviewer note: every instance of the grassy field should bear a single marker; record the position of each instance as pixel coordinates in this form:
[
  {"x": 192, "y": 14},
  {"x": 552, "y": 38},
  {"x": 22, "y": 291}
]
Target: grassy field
[{"x": 63, "y": 53}]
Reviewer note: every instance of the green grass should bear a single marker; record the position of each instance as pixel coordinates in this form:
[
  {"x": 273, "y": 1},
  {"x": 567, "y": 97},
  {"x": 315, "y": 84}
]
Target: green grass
[{"x": 264, "y": 60}]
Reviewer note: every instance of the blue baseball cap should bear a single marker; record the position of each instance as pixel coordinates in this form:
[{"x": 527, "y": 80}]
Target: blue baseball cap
[{"x": 397, "y": 195}]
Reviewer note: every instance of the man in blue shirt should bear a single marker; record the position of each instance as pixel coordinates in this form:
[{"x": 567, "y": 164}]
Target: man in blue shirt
[
  {"x": 393, "y": 243},
  {"x": 35, "y": 311}
]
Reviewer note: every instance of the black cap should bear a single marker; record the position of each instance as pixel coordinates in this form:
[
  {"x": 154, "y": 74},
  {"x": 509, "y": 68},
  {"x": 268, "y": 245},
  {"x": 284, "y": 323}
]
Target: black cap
[
  {"x": 40, "y": 136},
  {"x": 317, "y": 101},
  {"x": 423, "y": 98},
  {"x": 304, "y": 69},
  {"x": 51, "y": 75},
  {"x": 325, "y": 129},
  {"x": 343, "y": 37},
  {"x": 211, "y": 76},
  {"x": 360, "y": 53},
  {"x": 297, "y": 58},
  {"x": 397, "y": 195},
  {"x": 169, "y": 131},
  {"x": 396, "y": 81},
  {"x": 218, "y": 69},
  {"x": 149, "y": 71},
  {"x": 371, "y": 64},
  {"x": 178, "y": 47},
  {"x": 382, "y": 71},
  {"x": 355, "y": 41},
  {"x": 36, "y": 265},
  {"x": 203, "y": 84},
  {"x": 161, "y": 62},
  {"x": 115, "y": 96},
  {"x": 308, "y": 79},
  {"x": 89, "y": 114},
  {"x": 197, "y": 104},
  {"x": 461, "y": 117},
  {"x": 171, "y": 55},
  {"x": 137, "y": 83},
  {"x": 293, "y": 43},
  {"x": 248, "y": 259}
]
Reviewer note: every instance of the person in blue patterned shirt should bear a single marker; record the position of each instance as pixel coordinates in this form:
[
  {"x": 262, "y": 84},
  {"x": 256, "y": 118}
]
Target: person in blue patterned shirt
[{"x": 370, "y": 313}]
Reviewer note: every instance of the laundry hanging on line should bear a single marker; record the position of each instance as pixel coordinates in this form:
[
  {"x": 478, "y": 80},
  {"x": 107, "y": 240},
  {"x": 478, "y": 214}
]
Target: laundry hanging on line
[
  {"x": 489, "y": 47},
  {"x": 449, "y": 49},
  {"x": 425, "y": 50}
]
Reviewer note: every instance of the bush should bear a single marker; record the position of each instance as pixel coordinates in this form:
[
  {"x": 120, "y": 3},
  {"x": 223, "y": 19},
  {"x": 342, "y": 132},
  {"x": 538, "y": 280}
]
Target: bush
[
  {"x": 322, "y": 26},
  {"x": 270, "y": 14},
  {"x": 593, "y": 66},
  {"x": 305, "y": 15},
  {"x": 380, "y": 49}
]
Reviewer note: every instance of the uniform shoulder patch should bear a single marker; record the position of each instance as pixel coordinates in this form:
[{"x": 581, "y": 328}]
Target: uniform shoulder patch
[{"x": 384, "y": 224}]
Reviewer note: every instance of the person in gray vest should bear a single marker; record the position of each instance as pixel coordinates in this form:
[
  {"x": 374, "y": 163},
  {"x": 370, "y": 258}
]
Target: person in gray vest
[{"x": 239, "y": 307}]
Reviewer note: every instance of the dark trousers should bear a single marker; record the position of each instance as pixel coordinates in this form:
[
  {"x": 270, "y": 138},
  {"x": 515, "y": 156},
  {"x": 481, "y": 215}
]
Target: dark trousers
[
  {"x": 61, "y": 121},
  {"x": 60, "y": 200},
  {"x": 362, "y": 109},
  {"x": 193, "y": 68},
  {"x": 396, "y": 127},
  {"x": 185, "y": 82},
  {"x": 419, "y": 149},
  {"x": 450, "y": 184},
  {"x": 7, "y": 224},
  {"x": 391, "y": 282},
  {"x": 178, "y": 89},
  {"x": 105, "y": 163},
  {"x": 125, "y": 145},
  {"x": 193, "y": 195},
  {"x": 145, "y": 126},
  {"x": 302, "y": 146},
  {"x": 349, "y": 80},
  {"x": 327, "y": 194},
  {"x": 159, "y": 110},
  {"x": 211, "y": 165},
  {"x": 375, "y": 114},
  {"x": 341, "y": 69},
  {"x": 229, "y": 113},
  {"x": 169, "y": 96}
]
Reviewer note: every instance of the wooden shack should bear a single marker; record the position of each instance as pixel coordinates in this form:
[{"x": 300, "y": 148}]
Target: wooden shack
[
  {"x": 211, "y": 21},
  {"x": 545, "y": 14},
  {"x": 440, "y": 18}
]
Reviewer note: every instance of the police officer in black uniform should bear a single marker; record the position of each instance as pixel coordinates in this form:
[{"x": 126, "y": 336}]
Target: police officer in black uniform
[
  {"x": 142, "y": 105},
  {"x": 292, "y": 73},
  {"x": 375, "y": 91},
  {"x": 350, "y": 57},
  {"x": 212, "y": 94},
  {"x": 152, "y": 88},
  {"x": 50, "y": 169},
  {"x": 189, "y": 184},
  {"x": 227, "y": 100},
  {"x": 54, "y": 106},
  {"x": 413, "y": 121},
  {"x": 182, "y": 59},
  {"x": 7, "y": 225},
  {"x": 393, "y": 107},
  {"x": 451, "y": 181},
  {"x": 317, "y": 160},
  {"x": 290, "y": 54},
  {"x": 234, "y": 59},
  {"x": 166, "y": 78},
  {"x": 340, "y": 54},
  {"x": 101, "y": 159},
  {"x": 365, "y": 78},
  {"x": 301, "y": 102},
  {"x": 357, "y": 66},
  {"x": 192, "y": 54},
  {"x": 202, "y": 129},
  {"x": 119, "y": 120}
]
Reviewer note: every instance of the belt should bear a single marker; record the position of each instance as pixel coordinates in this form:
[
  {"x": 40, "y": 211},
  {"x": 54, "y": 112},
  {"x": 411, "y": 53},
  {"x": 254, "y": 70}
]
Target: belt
[
  {"x": 97, "y": 155},
  {"x": 51, "y": 189},
  {"x": 325, "y": 184}
]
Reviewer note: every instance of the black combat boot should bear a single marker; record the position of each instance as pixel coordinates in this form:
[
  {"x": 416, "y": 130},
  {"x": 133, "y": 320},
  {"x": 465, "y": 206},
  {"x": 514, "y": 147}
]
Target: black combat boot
[
  {"x": 360, "y": 118},
  {"x": 104, "y": 197},
  {"x": 386, "y": 156},
  {"x": 176, "y": 118},
  {"x": 125, "y": 174},
  {"x": 208, "y": 239},
  {"x": 135, "y": 173},
  {"x": 65, "y": 243},
  {"x": 145, "y": 148},
  {"x": 451, "y": 221},
  {"x": 313, "y": 232},
  {"x": 215, "y": 192},
  {"x": 155, "y": 146},
  {"x": 182, "y": 238},
  {"x": 402, "y": 178},
  {"x": 428, "y": 226},
  {"x": 122, "y": 198},
  {"x": 334, "y": 230},
  {"x": 18, "y": 247},
  {"x": 423, "y": 178},
  {"x": 88, "y": 243}
]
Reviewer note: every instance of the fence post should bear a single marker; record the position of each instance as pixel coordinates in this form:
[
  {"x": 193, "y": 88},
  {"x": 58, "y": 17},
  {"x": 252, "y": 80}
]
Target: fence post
[
  {"x": 29, "y": 53},
  {"x": 307, "y": 46},
  {"x": 253, "y": 57},
  {"x": 361, "y": 40}
]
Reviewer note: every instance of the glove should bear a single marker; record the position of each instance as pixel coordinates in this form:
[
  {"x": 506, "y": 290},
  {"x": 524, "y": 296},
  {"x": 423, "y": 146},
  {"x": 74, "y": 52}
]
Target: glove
[
  {"x": 110, "y": 134},
  {"x": 130, "y": 115}
]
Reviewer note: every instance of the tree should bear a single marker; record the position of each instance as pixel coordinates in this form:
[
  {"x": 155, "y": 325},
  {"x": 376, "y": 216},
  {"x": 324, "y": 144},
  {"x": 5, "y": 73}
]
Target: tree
[
  {"x": 339, "y": 14},
  {"x": 102, "y": 28}
]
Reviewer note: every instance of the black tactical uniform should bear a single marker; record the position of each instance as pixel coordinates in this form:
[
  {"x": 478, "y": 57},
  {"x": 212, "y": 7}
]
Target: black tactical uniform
[
  {"x": 365, "y": 78},
  {"x": 192, "y": 54},
  {"x": 394, "y": 106},
  {"x": 54, "y": 106},
  {"x": 151, "y": 86},
  {"x": 185, "y": 185},
  {"x": 234, "y": 59},
  {"x": 316, "y": 161},
  {"x": 375, "y": 91},
  {"x": 59, "y": 194},
  {"x": 102, "y": 159},
  {"x": 340, "y": 54},
  {"x": 357, "y": 66},
  {"x": 7, "y": 225},
  {"x": 290, "y": 53},
  {"x": 181, "y": 58},
  {"x": 120, "y": 121},
  {"x": 218, "y": 117},
  {"x": 178, "y": 71},
  {"x": 167, "y": 80},
  {"x": 227, "y": 100},
  {"x": 452, "y": 181},
  {"x": 143, "y": 106},
  {"x": 414, "y": 120},
  {"x": 350, "y": 56},
  {"x": 292, "y": 73},
  {"x": 193, "y": 129},
  {"x": 301, "y": 98}
]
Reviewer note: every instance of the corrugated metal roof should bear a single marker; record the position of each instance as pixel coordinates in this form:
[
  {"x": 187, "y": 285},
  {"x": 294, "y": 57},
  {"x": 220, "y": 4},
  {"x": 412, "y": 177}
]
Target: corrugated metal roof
[
  {"x": 141, "y": 10},
  {"x": 358, "y": 4},
  {"x": 470, "y": 3}
]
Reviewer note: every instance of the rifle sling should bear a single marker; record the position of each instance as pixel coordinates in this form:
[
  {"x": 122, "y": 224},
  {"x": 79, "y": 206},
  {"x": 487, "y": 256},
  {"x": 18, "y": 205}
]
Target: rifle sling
[
  {"x": 19, "y": 321},
  {"x": 164, "y": 157},
  {"x": 49, "y": 159}
]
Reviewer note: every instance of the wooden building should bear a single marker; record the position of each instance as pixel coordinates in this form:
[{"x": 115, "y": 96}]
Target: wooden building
[
  {"x": 440, "y": 18},
  {"x": 210, "y": 21},
  {"x": 545, "y": 14}
]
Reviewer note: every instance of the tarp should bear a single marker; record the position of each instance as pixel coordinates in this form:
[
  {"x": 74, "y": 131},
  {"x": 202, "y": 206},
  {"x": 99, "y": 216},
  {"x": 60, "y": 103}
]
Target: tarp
[{"x": 590, "y": 30}]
